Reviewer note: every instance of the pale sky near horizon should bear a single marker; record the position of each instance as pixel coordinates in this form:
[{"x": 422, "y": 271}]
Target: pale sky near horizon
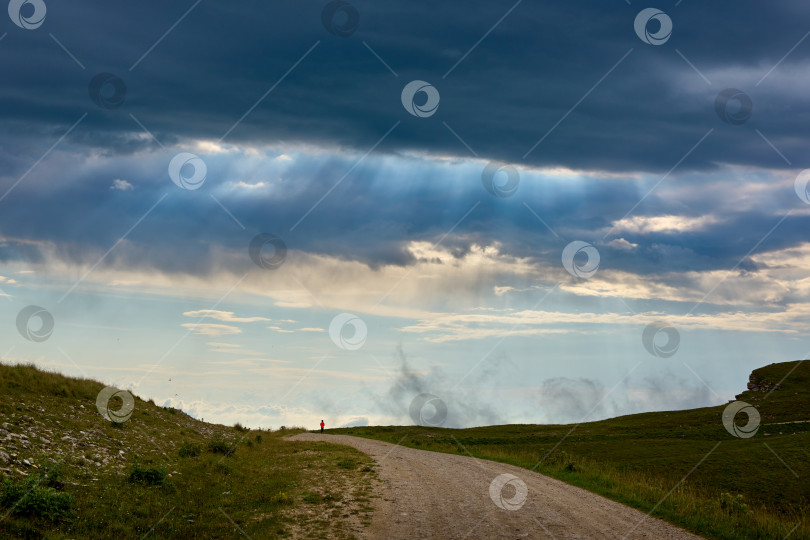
[{"x": 499, "y": 238}]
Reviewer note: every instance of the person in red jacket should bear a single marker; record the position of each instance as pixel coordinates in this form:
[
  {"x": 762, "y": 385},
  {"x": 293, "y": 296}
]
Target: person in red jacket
[{"x": 322, "y": 424}]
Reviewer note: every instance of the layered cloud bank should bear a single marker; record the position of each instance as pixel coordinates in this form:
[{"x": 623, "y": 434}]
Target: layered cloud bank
[{"x": 197, "y": 207}]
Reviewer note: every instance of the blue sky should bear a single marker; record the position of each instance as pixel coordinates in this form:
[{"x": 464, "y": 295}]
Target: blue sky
[{"x": 429, "y": 237}]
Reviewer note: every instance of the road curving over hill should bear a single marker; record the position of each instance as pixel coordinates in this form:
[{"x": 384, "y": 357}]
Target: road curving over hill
[{"x": 434, "y": 495}]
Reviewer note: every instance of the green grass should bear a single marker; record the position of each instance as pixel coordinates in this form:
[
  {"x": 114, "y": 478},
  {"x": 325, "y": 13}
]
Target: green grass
[
  {"x": 740, "y": 490},
  {"x": 129, "y": 480}
]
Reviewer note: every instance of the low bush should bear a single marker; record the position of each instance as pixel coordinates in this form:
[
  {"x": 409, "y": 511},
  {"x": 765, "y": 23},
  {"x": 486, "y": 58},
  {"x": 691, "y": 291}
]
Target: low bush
[
  {"x": 189, "y": 449},
  {"x": 34, "y": 497},
  {"x": 281, "y": 498},
  {"x": 218, "y": 445},
  {"x": 147, "y": 476}
]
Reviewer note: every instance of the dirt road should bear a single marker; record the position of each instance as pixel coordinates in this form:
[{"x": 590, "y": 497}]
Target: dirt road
[{"x": 432, "y": 495}]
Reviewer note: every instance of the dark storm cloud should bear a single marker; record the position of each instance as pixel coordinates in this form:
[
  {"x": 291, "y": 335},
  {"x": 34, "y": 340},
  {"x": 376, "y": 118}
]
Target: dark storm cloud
[
  {"x": 502, "y": 98},
  {"x": 199, "y": 80},
  {"x": 372, "y": 216}
]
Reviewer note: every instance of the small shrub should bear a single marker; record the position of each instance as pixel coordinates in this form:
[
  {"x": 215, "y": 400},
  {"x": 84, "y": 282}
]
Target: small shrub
[
  {"x": 259, "y": 438},
  {"x": 347, "y": 464},
  {"x": 222, "y": 467},
  {"x": 171, "y": 410},
  {"x": 117, "y": 425},
  {"x": 34, "y": 497},
  {"x": 147, "y": 476},
  {"x": 239, "y": 427},
  {"x": 189, "y": 449},
  {"x": 281, "y": 498},
  {"x": 217, "y": 445},
  {"x": 52, "y": 472},
  {"x": 733, "y": 504}
]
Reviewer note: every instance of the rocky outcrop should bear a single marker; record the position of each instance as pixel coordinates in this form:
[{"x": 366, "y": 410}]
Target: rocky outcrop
[{"x": 756, "y": 384}]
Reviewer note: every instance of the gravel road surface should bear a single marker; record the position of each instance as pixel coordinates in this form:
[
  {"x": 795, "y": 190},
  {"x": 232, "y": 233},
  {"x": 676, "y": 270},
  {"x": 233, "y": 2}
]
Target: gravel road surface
[{"x": 432, "y": 495}]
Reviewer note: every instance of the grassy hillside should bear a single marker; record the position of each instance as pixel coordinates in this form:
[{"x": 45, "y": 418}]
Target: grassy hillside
[
  {"x": 66, "y": 472},
  {"x": 757, "y": 487}
]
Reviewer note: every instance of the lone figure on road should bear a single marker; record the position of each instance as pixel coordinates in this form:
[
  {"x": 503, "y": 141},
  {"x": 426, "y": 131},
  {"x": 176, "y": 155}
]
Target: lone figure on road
[{"x": 322, "y": 424}]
